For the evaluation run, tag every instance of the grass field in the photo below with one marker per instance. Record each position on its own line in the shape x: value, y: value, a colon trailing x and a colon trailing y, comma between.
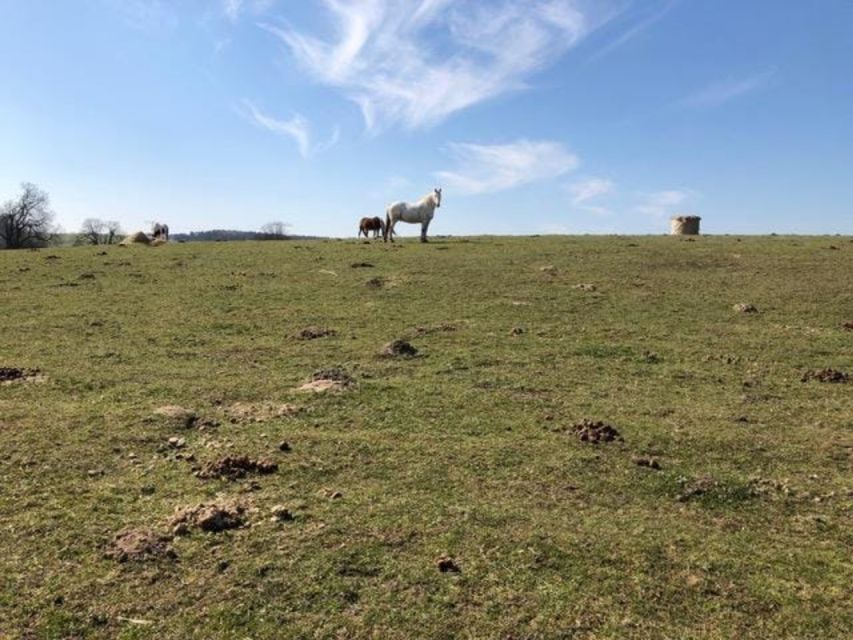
x: 464, y: 452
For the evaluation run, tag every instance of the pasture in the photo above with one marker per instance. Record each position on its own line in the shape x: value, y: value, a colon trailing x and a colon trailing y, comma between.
x: 445, y: 495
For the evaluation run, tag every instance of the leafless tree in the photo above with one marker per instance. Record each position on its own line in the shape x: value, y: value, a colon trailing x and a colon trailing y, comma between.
x: 113, y: 231
x: 26, y: 221
x: 274, y: 230
x: 96, y: 231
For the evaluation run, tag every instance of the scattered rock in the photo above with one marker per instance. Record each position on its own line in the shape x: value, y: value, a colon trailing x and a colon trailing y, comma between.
x: 15, y: 374
x: 516, y: 331
x: 177, y: 443
x: 650, y: 463
x: 399, y: 349
x: 446, y: 564
x: 585, y: 286
x: 595, y: 432
x: 281, y: 514
x: 236, y: 467
x: 312, y: 333
x: 133, y: 544
x: 361, y: 265
x: 207, y: 517
x: 745, y: 307
x: 177, y: 416
x: 247, y: 412
x: 826, y: 375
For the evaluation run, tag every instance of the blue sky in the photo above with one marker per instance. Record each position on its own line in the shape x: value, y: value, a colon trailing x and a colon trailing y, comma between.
x: 535, y: 116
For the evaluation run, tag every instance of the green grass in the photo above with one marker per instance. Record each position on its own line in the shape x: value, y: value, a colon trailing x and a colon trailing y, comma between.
x: 463, y: 451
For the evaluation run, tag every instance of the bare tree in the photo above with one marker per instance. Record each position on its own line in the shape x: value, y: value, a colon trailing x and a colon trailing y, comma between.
x: 273, y: 231
x: 26, y: 221
x: 96, y: 231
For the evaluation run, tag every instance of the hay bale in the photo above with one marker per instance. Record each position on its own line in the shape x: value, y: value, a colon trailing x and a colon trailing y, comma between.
x: 137, y: 237
x: 684, y: 225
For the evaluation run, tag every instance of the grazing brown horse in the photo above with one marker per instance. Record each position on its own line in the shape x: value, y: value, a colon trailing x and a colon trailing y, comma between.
x: 374, y: 224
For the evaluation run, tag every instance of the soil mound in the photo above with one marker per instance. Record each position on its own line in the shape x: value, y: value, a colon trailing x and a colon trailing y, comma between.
x: 745, y: 307
x: 207, y: 517
x: 178, y: 416
x: 236, y: 467
x: 247, y: 412
x: 328, y: 380
x: 826, y: 375
x: 312, y: 333
x: 14, y: 374
x: 133, y: 544
x: 596, y: 432
x: 398, y: 349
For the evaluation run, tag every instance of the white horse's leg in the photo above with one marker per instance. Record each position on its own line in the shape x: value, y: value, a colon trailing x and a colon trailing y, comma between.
x: 424, y: 227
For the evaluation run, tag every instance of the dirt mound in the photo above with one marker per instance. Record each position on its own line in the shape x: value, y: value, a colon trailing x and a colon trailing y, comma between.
x: 242, y: 412
x: 138, y: 237
x: 516, y: 331
x: 361, y: 265
x: 375, y: 283
x: 847, y: 326
x: 207, y: 517
x: 446, y: 564
x: 236, y: 467
x: 312, y: 333
x: 177, y: 416
x: 595, y: 432
x: 139, y: 544
x: 398, y: 349
x: 745, y: 307
x: 328, y: 380
x: 826, y: 375
x: 15, y: 374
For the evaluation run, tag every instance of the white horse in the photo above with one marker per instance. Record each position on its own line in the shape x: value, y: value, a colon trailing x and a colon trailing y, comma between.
x: 422, y: 211
x: 160, y: 231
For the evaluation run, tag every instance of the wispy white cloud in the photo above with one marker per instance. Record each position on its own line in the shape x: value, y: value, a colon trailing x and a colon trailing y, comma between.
x: 232, y: 8
x: 660, y: 204
x: 657, y: 14
x: 586, y: 192
x: 416, y: 62
x: 297, y: 128
x: 721, y: 92
x: 149, y: 16
x: 235, y: 9
x: 490, y: 168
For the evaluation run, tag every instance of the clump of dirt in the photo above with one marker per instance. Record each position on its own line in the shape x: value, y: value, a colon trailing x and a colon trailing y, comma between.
x: 595, y: 432
x: 236, y: 467
x: 207, y: 517
x: 516, y: 331
x: 399, y: 349
x: 585, y: 286
x: 281, y: 514
x: 745, y: 307
x: 15, y: 374
x: 177, y: 416
x: 650, y: 463
x: 847, y: 326
x: 446, y: 564
x: 826, y: 375
x: 248, y: 412
x: 328, y: 380
x: 361, y: 265
x: 132, y: 544
x: 312, y: 333
x: 375, y: 283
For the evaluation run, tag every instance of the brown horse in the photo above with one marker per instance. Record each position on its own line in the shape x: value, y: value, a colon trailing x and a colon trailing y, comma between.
x: 374, y: 224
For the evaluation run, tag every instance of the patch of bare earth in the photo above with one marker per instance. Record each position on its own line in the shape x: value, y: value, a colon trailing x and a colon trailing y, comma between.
x: 328, y: 380
x: 826, y: 375
x: 398, y: 349
x: 847, y: 326
x: 375, y: 283
x: 248, y: 412
x: 177, y: 416
x: 313, y: 333
x: 133, y: 544
x: 236, y: 467
x: 8, y: 375
x: 212, y: 518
